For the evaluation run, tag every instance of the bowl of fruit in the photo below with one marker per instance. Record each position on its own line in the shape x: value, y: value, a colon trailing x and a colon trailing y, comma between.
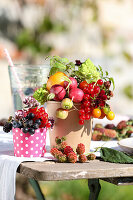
x: 75, y: 93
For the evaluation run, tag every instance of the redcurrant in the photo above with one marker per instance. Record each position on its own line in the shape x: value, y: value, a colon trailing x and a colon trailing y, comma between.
x: 81, y: 122
x: 100, y: 82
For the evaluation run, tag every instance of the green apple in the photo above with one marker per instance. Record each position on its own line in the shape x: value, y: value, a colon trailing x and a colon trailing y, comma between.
x: 61, y: 113
x: 67, y: 103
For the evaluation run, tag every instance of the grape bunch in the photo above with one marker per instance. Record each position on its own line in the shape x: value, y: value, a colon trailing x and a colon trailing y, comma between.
x: 94, y: 101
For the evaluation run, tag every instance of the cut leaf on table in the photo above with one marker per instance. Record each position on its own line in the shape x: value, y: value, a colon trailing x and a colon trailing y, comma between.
x: 111, y: 155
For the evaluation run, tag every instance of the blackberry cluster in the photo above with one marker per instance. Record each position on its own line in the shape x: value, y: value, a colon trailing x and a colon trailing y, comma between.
x: 28, y: 124
x: 7, y: 127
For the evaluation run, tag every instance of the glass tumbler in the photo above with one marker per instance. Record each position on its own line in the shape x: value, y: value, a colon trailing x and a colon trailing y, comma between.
x: 31, y: 77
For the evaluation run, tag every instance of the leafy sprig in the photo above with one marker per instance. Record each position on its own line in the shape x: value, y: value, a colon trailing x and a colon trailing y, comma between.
x: 106, y: 76
x: 42, y: 95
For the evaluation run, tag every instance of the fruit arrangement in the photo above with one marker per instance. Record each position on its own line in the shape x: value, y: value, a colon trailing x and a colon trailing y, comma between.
x: 122, y: 130
x: 29, y: 119
x: 64, y: 153
x: 78, y: 83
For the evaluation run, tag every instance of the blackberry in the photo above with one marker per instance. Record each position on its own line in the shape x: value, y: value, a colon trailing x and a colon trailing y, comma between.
x: 38, y: 121
x: 7, y: 127
x: 25, y: 130
x: 20, y: 124
x: 15, y: 124
x: 31, y: 131
x: 30, y: 116
x: 52, y: 121
x: 78, y: 62
x: 29, y: 123
x: 35, y: 126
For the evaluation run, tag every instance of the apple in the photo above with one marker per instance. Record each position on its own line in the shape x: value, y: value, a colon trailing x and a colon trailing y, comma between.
x: 61, y: 113
x: 67, y: 103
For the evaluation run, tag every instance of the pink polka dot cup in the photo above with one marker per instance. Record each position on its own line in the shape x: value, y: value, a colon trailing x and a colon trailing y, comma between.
x: 26, y: 145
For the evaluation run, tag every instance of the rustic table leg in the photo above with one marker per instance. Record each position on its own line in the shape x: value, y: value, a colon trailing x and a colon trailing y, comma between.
x: 37, y: 189
x: 95, y: 188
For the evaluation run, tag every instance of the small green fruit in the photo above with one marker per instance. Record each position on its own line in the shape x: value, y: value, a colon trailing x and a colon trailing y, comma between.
x: 67, y: 103
x: 61, y: 113
x: 106, y: 110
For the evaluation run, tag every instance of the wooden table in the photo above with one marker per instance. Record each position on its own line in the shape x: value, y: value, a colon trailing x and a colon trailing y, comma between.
x: 119, y: 174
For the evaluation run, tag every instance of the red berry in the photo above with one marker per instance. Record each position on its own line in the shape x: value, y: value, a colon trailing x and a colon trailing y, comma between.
x: 82, y: 158
x: 93, y: 83
x: 81, y: 122
x: 96, y: 89
x: 85, y: 90
x: 102, y: 92
x: 87, y: 103
x: 100, y: 82
x: 87, y: 116
x: 68, y: 150
x: 87, y: 110
x: 104, y: 97
x: 102, y: 104
x: 86, y: 97
x: 41, y: 109
x: 80, y: 149
x: 48, y: 125
x: 82, y: 117
x: 90, y: 91
x: 83, y: 84
x: 81, y: 111
x: 82, y: 106
x: 72, y: 157
x: 90, y: 86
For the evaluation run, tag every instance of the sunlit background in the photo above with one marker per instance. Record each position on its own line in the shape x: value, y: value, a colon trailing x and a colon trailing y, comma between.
x: 101, y: 30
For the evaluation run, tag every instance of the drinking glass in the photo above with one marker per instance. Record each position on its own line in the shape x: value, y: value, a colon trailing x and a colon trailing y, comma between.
x: 31, y: 77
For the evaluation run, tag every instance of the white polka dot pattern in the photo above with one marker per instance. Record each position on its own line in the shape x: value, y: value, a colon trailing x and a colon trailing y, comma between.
x: 26, y: 145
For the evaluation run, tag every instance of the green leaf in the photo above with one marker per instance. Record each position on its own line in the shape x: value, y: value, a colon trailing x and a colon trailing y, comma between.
x: 106, y: 73
x: 111, y: 155
x: 101, y: 70
x: 112, y: 80
x: 54, y: 70
x: 57, y: 64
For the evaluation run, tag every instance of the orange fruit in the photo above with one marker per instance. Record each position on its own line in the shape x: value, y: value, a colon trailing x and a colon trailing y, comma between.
x: 110, y: 115
x: 57, y: 78
x: 96, y: 113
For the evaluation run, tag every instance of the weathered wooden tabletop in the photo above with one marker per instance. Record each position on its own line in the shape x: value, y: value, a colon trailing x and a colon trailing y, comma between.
x: 51, y: 171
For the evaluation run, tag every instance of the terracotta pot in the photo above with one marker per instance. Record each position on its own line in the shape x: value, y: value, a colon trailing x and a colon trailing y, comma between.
x: 69, y: 127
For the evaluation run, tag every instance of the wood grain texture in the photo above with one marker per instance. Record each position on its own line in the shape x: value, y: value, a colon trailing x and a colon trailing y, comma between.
x: 51, y: 171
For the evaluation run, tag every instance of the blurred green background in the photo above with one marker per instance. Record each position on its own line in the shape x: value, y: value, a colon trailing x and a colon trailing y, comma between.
x: 101, y: 30
x: 73, y: 190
